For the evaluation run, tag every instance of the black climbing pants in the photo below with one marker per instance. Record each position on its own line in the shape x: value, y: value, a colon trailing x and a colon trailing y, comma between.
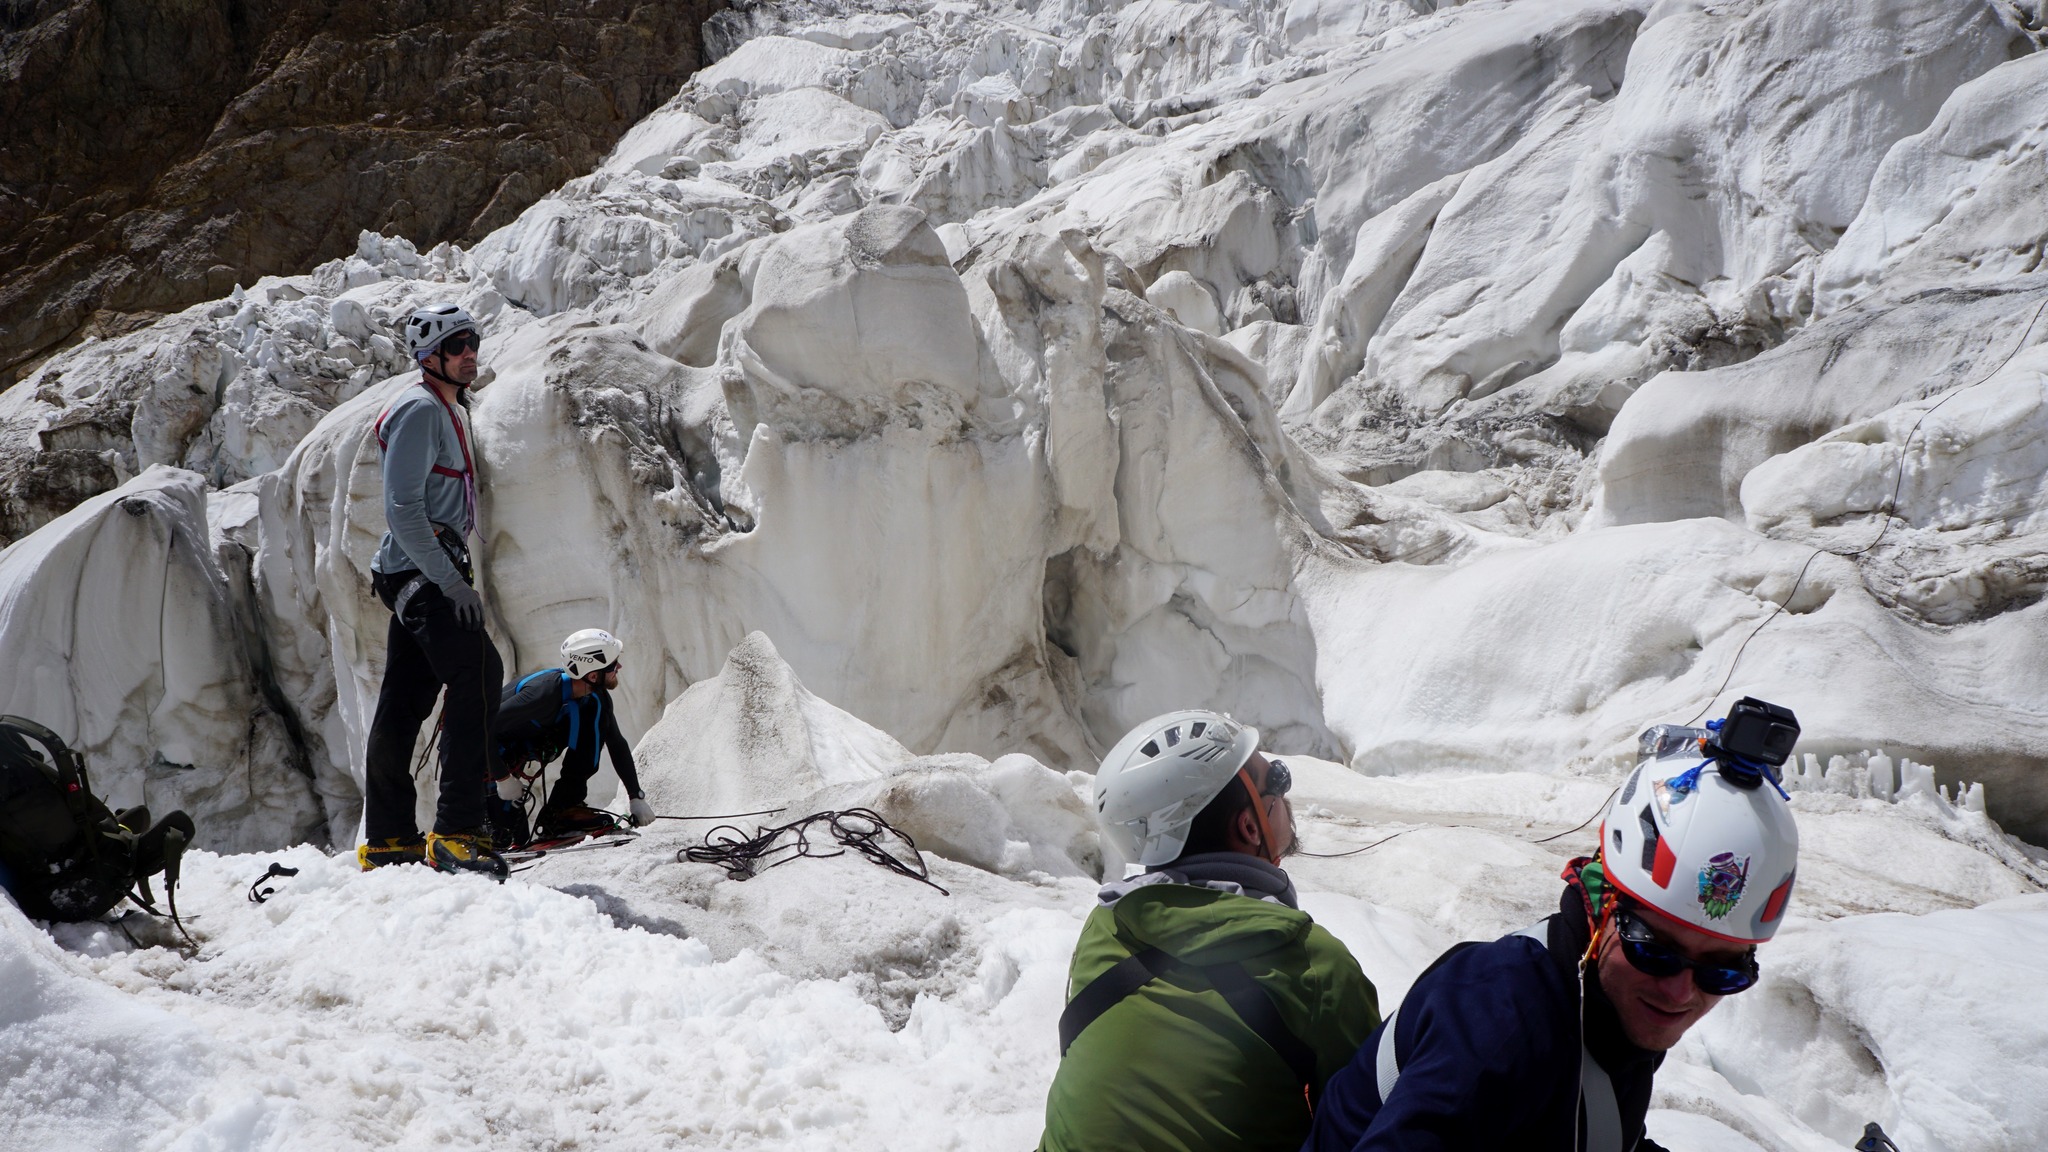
x: 427, y: 649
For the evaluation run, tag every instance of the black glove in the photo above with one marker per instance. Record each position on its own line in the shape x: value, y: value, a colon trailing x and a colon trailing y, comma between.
x: 468, y: 606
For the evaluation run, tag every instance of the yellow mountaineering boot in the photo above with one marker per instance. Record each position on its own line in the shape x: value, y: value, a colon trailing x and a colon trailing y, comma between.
x: 396, y: 850
x: 465, y: 852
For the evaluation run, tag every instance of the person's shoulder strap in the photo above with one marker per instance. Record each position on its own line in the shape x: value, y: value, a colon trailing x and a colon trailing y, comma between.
x: 1603, y: 1111
x: 1254, y: 1005
x: 1386, y: 1061
x: 530, y: 677
x: 1105, y: 991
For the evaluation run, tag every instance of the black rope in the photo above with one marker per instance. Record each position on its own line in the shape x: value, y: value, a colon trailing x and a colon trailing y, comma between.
x: 728, y: 815
x: 1890, y: 509
x: 859, y: 830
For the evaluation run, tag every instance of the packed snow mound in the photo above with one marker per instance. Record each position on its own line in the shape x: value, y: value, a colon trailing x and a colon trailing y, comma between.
x: 89, y: 1067
x: 1843, y: 1022
x: 754, y: 738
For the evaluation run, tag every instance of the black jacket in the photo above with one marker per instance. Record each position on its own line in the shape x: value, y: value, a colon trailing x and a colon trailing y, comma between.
x: 1488, y: 1045
x: 538, y: 719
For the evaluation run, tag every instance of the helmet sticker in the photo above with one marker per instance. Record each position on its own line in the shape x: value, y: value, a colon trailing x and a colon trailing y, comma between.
x: 1721, y: 883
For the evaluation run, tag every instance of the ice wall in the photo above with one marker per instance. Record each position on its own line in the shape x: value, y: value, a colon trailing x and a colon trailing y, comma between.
x: 129, y: 632
x: 1429, y: 385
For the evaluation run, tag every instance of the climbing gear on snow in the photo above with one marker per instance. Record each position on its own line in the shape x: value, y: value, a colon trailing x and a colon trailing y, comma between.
x: 590, y: 650
x: 1708, y: 849
x: 1874, y: 1140
x: 464, y: 852
x: 860, y: 830
x: 1252, y: 1004
x: 393, y: 850
x: 258, y: 893
x: 66, y: 855
x: 1162, y: 774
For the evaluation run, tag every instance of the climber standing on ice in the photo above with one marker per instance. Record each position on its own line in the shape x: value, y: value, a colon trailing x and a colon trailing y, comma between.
x: 1205, y: 1009
x: 566, y: 710
x: 1548, y: 1038
x: 436, y: 638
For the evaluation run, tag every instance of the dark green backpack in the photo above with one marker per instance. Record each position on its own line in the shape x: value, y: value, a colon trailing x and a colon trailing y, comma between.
x: 63, y: 854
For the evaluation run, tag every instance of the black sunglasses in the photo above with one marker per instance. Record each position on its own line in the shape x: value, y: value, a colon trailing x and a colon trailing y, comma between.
x: 1278, y: 779
x: 461, y: 342
x: 1652, y: 957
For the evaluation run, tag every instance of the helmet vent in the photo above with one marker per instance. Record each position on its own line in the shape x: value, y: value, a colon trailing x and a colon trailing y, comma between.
x: 1172, y: 737
x: 1196, y: 728
x: 1650, y: 838
x: 1151, y: 748
x: 1628, y: 793
x: 1617, y: 839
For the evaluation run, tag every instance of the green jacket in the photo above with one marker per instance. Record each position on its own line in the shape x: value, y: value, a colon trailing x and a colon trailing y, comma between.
x: 1171, y: 1068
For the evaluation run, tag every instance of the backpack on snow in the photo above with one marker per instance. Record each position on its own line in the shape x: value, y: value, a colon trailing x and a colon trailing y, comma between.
x: 63, y: 854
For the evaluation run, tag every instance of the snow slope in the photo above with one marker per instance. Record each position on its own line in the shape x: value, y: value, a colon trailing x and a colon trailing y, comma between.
x: 617, y: 998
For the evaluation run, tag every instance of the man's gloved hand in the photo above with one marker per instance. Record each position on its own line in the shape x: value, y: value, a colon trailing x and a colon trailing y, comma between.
x: 469, y: 607
x: 643, y: 812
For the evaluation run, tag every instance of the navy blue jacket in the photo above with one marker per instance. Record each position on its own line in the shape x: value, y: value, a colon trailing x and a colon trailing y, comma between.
x: 1488, y: 1044
x: 539, y: 719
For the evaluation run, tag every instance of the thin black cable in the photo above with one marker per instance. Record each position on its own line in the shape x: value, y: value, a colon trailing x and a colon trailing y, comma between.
x: 1890, y: 509
x: 726, y: 816
x: 860, y: 830
x: 1371, y: 846
x: 1597, y: 812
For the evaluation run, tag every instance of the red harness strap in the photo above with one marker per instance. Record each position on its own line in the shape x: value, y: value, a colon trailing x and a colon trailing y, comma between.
x: 468, y: 464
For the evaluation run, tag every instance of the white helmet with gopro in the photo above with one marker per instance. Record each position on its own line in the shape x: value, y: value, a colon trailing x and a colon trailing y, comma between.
x: 1700, y: 831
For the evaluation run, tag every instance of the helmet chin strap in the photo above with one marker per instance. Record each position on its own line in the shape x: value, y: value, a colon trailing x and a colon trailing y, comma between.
x: 426, y: 371
x: 1266, y: 849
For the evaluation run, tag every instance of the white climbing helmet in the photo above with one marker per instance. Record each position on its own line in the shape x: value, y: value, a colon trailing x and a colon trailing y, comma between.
x: 589, y: 651
x: 1161, y: 775
x: 427, y: 327
x: 1686, y: 837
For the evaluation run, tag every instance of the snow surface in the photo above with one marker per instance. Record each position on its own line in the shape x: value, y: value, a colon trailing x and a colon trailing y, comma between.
x: 1449, y: 390
x: 617, y: 998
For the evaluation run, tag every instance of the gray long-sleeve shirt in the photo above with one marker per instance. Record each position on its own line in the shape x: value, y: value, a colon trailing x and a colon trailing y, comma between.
x: 429, y: 481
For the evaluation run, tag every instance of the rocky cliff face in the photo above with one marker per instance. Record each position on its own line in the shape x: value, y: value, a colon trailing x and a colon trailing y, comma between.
x: 157, y: 153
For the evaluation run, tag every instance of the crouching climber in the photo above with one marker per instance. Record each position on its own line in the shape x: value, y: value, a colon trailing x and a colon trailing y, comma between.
x: 436, y: 638
x: 556, y: 712
x: 1548, y: 1037
x: 1205, y: 1010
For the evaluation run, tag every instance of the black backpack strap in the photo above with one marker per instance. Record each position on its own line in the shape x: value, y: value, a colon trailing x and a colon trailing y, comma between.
x: 1102, y: 993
x: 1254, y: 1005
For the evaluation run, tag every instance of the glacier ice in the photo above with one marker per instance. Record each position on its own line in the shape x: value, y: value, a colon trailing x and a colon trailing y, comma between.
x: 1449, y: 390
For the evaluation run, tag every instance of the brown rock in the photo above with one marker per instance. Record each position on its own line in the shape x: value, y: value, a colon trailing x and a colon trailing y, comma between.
x: 154, y: 153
